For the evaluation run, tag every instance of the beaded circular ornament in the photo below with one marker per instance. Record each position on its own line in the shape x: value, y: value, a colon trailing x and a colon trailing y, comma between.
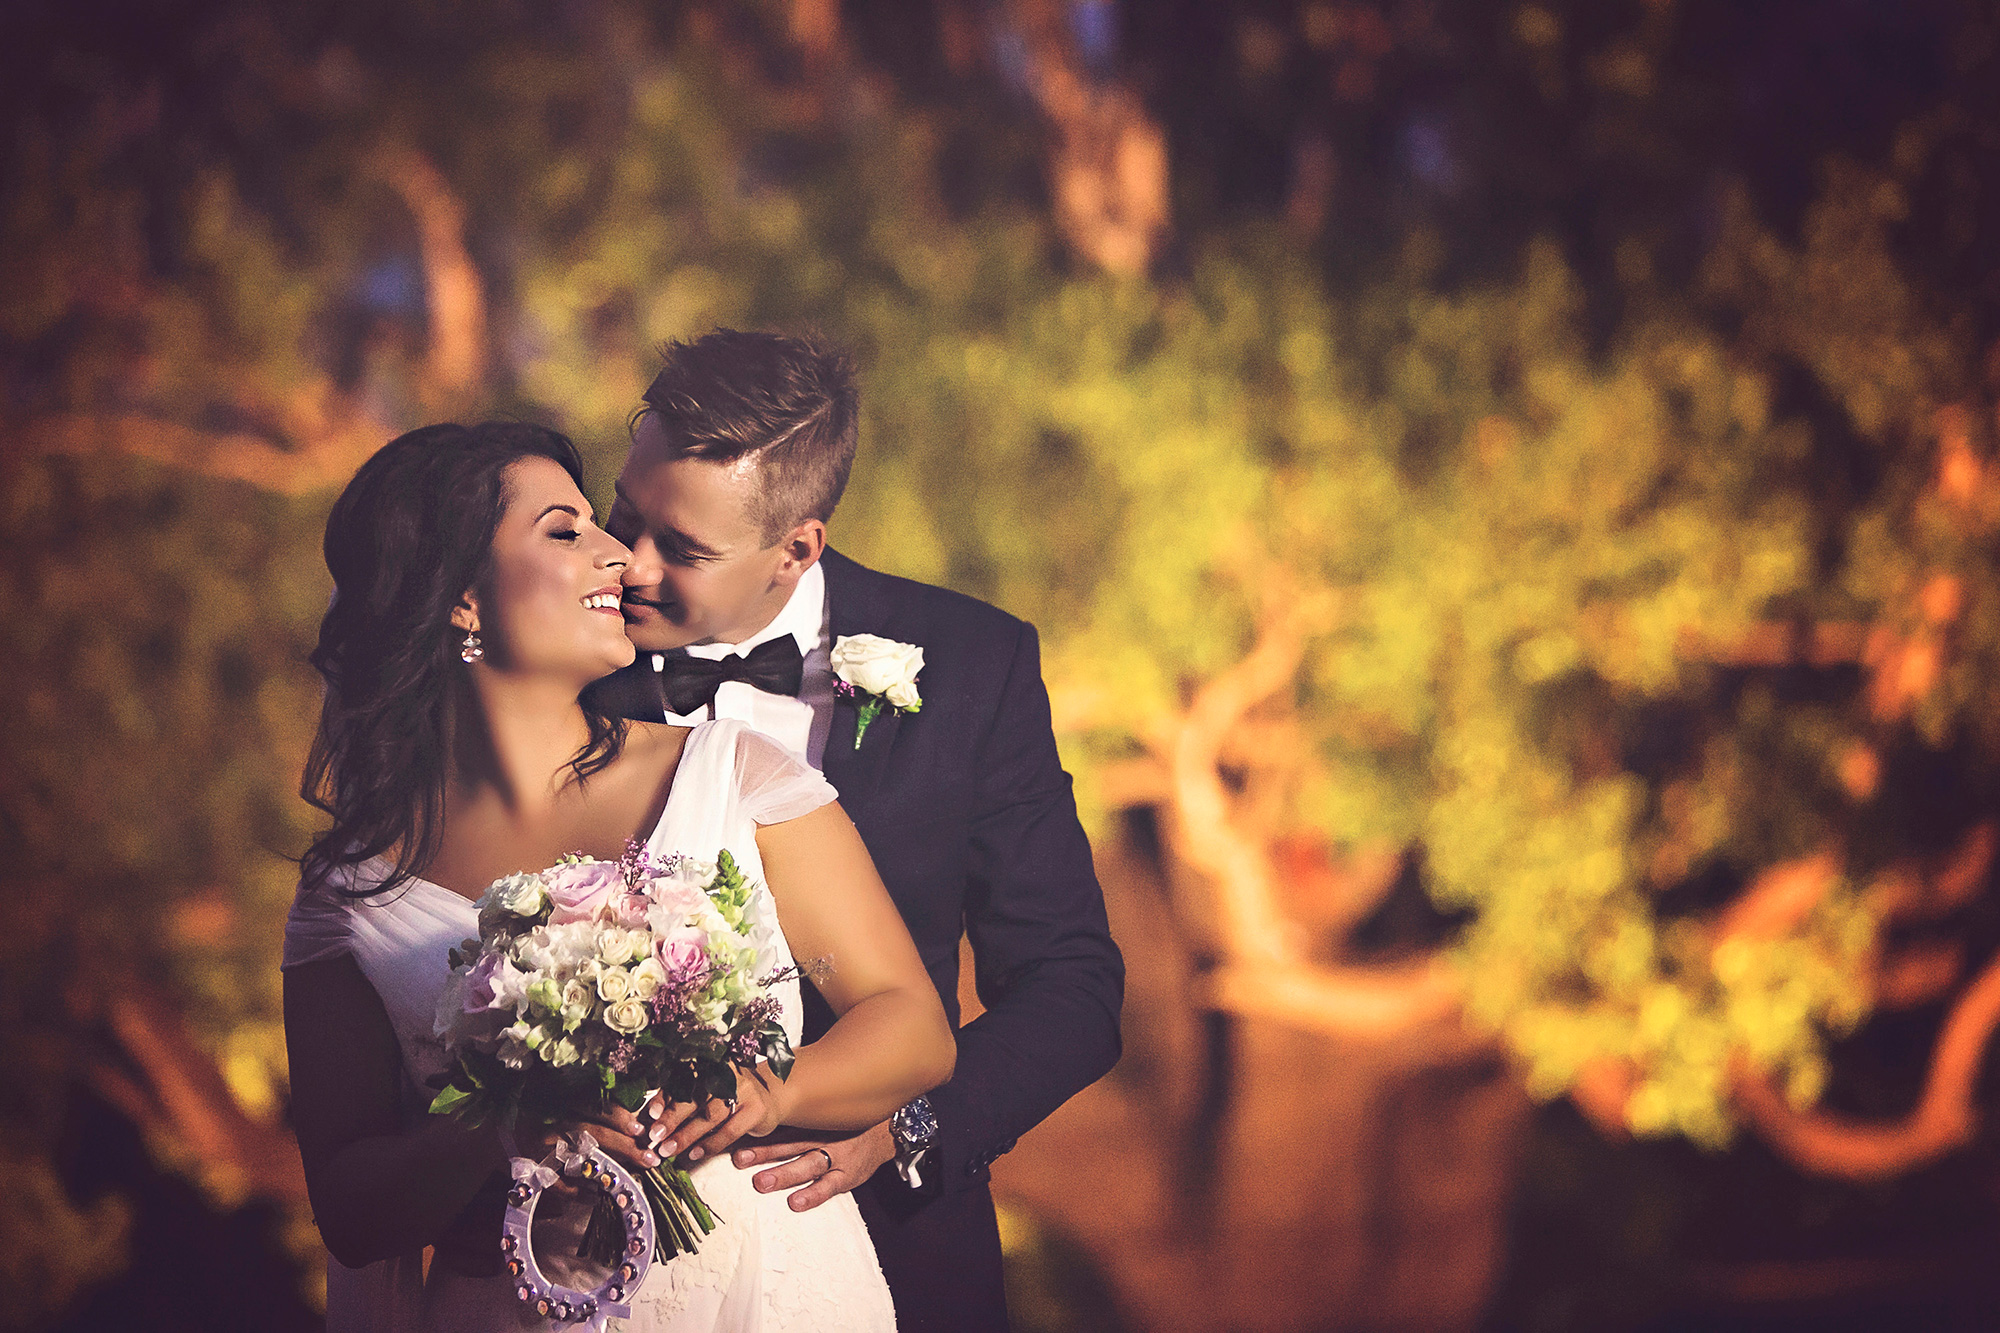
x: 593, y: 1168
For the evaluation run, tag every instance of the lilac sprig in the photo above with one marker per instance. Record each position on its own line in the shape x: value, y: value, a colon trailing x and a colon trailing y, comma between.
x: 598, y: 983
x: 638, y: 864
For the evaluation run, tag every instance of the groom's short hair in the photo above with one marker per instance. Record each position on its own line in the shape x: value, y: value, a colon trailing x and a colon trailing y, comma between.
x: 788, y: 402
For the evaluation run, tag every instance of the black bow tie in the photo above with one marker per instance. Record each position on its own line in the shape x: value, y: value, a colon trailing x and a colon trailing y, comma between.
x: 689, y: 683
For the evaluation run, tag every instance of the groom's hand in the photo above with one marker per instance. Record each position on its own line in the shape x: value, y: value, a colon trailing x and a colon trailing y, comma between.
x: 844, y: 1164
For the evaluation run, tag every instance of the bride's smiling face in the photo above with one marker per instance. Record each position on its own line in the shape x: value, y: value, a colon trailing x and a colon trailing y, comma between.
x: 548, y: 603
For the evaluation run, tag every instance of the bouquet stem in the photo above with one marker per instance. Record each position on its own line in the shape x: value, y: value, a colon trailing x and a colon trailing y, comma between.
x: 680, y: 1218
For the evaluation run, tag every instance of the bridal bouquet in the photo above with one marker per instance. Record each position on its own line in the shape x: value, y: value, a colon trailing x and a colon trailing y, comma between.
x: 594, y: 983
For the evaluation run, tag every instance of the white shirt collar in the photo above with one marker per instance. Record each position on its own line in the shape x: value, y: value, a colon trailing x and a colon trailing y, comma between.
x: 801, y: 618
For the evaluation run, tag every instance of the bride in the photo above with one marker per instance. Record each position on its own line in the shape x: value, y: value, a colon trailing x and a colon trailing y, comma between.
x: 474, y: 599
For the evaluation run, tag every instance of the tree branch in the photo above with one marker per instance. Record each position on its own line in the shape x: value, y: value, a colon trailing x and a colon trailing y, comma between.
x: 1108, y: 167
x: 1779, y: 898
x: 1918, y: 973
x: 1906, y: 893
x: 327, y: 456
x: 456, y: 358
x: 183, y: 1101
x: 1944, y: 1119
x: 1367, y: 1003
x: 1261, y: 973
x: 1206, y: 835
x: 1780, y: 644
x: 1602, y: 1090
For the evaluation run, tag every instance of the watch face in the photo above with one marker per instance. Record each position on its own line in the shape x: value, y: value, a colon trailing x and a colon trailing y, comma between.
x: 914, y: 1124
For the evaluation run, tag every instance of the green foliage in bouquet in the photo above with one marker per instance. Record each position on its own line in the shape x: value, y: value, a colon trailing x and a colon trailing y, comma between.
x: 596, y: 984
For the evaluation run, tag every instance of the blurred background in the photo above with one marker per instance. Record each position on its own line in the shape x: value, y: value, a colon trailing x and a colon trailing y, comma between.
x: 1509, y: 492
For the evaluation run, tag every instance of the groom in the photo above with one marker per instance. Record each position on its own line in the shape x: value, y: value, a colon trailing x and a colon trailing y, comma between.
x: 737, y: 606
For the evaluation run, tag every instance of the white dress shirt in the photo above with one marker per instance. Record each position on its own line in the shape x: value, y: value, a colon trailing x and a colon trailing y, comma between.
x: 800, y: 725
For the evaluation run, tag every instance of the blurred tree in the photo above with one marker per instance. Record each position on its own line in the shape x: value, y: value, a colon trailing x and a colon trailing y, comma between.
x: 180, y: 395
x: 1501, y: 489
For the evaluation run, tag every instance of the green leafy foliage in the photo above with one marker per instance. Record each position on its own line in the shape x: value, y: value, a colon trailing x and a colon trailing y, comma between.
x: 1532, y: 536
x: 1527, y: 520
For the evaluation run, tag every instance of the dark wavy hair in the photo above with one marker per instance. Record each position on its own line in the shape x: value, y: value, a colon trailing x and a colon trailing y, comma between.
x: 410, y: 534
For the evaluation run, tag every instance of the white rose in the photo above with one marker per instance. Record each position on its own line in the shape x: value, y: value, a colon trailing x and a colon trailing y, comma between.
x: 614, y: 984
x: 626, y: 1017
x: 523, y: 895
x: 616, y: 946
x: 876, y: 665
x: 647, y: 978
x: 577, y: 1004
x: 561, y: 1052
x: 511, y: 906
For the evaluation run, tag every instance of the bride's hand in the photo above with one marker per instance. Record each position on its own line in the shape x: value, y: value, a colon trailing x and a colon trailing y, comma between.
x: 617, y: 1131
x: 761, y: 1105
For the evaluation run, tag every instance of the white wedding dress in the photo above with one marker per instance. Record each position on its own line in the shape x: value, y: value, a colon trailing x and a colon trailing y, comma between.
x: 765, y: 1268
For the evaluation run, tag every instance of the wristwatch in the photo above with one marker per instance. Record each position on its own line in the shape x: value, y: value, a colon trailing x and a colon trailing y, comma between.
x: 912, y: 1127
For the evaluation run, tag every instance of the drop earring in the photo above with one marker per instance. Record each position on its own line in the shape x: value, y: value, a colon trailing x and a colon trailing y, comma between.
x: 472, y: 651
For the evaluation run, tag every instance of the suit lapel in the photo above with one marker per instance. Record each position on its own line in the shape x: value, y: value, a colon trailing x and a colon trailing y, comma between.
x: 856, y: 606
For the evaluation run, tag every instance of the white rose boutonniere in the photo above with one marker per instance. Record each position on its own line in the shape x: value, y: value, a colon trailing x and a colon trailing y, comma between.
x: 876, y: 671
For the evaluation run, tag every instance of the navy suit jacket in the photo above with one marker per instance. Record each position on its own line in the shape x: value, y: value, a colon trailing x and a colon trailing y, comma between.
x: 969, y: 815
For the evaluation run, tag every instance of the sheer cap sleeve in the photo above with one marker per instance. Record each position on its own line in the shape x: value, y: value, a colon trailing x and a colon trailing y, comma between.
x: 317, y: 928
x: 774, y: 784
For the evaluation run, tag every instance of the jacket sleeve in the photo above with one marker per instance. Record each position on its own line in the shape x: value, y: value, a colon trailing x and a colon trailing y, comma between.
x: 1046, y: 968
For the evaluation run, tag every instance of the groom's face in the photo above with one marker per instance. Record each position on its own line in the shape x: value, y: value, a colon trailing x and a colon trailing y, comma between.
x: 701, y: 571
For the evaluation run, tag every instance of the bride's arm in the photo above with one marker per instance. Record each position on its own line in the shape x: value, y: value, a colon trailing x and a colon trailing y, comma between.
x: 891, y: 1040
x: 377, y: 1190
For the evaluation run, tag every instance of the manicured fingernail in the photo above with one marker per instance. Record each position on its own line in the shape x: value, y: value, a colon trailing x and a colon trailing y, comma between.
x: 668, y: 1148
x: 649, y: 1159
x: 653, y: 1134
x: 694, y: 1154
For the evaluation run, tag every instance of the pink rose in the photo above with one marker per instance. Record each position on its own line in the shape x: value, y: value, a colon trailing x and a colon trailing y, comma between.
x: 684, y: 957
x: 672, y: 902
x: 677, y: 894
x: 579, y: 889
x: 630, y: 909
